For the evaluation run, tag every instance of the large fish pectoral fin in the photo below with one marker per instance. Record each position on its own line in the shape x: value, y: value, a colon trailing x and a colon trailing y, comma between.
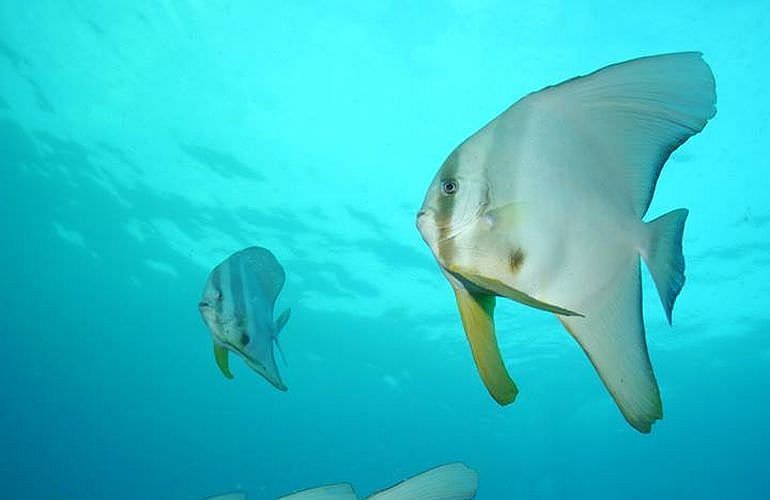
x: 221, y: 357
x: 612, y: 335
x: 476, y: 311
x: 503, y: 290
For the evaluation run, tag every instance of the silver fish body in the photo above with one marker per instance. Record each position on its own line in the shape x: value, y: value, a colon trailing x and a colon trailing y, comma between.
x: 544, y: 206
x: 237, y: 306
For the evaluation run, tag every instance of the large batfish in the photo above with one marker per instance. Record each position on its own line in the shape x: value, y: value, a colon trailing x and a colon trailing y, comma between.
x: 544, y: 206
x: 454, y: 481
x: 238, y: 305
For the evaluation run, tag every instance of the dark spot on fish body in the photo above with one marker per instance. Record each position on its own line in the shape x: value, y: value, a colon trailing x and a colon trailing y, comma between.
x: 517, y: 260
x: 245, y: 339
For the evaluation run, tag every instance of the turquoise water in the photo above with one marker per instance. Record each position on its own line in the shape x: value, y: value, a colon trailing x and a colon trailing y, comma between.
x: 143, y: 142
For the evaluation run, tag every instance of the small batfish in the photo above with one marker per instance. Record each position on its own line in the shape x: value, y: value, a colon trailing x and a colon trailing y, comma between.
x: 545, y: 205
x: 238, y: 305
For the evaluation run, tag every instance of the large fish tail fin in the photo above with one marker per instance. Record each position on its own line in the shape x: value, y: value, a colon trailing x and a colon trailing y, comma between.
x: 340, y: 491
x: 454, y: 481
x: 663, y: 255
x: 612, y: 335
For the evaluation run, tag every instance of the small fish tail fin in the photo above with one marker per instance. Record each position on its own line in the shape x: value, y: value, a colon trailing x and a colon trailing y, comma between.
x: 663, y: 255
x: 340, y: 491
x: 283, y: 318
x: 455, y: 481
x: 280, y: 351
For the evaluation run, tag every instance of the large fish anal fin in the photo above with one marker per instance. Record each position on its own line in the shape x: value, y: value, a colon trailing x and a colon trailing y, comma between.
x: 477, y: 313
x: 612, y: 335
x: 221, y: 357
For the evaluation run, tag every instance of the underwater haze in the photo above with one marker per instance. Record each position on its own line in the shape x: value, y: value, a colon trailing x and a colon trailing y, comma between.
x: 143, y: 142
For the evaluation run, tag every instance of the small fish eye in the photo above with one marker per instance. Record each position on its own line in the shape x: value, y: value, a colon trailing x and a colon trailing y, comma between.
x: 449, y: 186
x: 245, y: 339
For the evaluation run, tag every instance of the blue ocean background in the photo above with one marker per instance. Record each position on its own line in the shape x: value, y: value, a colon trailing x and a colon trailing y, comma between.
x: 142, y: 142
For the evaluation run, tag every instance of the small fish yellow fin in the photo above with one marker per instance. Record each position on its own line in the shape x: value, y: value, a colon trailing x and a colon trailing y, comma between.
x: 477, y: 313
x: 220, y: 355
x: 612, y: 335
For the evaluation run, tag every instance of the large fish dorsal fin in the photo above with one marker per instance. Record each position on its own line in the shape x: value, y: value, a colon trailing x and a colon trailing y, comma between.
x: 634, y: 115
x: 477, y: 314
x: 612, y: 335
x: 262, y: 264
x: 455, y: 481
x: 340, y: 491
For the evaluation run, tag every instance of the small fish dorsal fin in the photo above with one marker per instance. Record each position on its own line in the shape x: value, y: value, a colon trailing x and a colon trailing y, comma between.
x: 263, y: 265
x: 340, y: 491
x: 455, y: 481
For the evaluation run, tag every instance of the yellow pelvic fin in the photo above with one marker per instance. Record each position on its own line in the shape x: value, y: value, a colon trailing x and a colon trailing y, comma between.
x: 220, y: 355
x: 477, y: 313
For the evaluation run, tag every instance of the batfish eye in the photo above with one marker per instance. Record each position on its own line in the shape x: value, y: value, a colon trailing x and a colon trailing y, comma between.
x: 449, y: 186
